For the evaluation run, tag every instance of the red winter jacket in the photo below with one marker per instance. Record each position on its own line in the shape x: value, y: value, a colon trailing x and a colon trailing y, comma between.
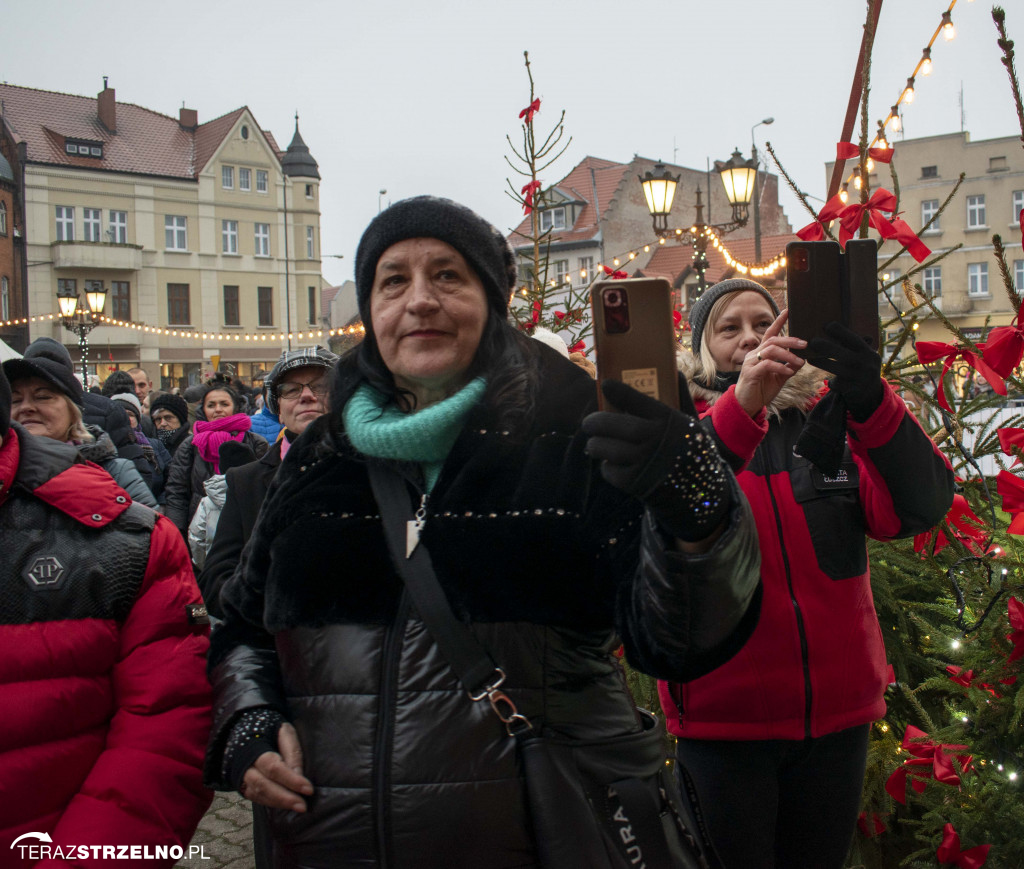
x: 816, y: 661
x: 106, y: 704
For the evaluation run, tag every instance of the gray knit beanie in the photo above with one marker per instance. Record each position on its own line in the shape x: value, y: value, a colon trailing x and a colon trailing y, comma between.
x: 483, y: 246
x: 702, y: 307
x: 48, y: 360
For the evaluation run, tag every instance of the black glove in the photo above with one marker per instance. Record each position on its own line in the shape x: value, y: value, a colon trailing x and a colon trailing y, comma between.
x: 857, y: 368
x: 663, y: 457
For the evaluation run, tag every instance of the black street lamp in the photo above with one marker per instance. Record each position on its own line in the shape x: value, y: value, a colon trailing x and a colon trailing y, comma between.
x: 81, y: 320
x: 659, y: 186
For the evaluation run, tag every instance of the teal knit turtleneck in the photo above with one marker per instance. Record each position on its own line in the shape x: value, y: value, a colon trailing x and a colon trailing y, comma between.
x: 425, y: 436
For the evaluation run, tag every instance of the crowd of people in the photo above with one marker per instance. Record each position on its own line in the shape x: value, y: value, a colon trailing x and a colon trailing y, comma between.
x: 721, y: 547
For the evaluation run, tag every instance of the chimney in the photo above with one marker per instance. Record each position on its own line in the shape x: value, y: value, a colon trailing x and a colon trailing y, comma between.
x: 107, y: 107
x: 188, y: 119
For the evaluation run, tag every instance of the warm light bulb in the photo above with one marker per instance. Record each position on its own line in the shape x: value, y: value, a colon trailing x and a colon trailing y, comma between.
x: 615, y: 261
x: 632, y: 255
x: 870, y: 165
x: 844, y: 194
x: 948, y: 30
x: 926, y: 62
x: 908, y: 94
x: 955, y: 644
x: 857, y: 183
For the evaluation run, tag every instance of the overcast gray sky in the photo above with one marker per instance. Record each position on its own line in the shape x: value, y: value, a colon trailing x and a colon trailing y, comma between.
x: 417, y: 97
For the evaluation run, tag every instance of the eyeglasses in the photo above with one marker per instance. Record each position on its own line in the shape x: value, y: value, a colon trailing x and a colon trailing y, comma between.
x: 293, y: 389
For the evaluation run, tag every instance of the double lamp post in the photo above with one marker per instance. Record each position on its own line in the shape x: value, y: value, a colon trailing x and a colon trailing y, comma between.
x: 82, y: 320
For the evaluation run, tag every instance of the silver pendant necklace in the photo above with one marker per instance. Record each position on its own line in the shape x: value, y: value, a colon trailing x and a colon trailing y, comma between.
x: 414, y: 527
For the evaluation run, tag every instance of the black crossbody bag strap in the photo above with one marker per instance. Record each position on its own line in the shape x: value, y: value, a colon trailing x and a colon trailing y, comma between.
x: 479, y: 675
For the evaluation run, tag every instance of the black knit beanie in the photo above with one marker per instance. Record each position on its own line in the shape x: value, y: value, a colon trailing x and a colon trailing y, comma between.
x: 174, y: 403
x: 702, y: 307
x: 482, y: 245
x: 48, y: 360
x: 5, y: 404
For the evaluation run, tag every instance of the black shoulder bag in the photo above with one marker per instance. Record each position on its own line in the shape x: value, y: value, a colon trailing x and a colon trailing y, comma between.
x: 596, y: 803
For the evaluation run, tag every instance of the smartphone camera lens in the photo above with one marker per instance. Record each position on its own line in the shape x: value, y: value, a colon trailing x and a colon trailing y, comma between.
x: 616, y: 310
x: 799, y: 259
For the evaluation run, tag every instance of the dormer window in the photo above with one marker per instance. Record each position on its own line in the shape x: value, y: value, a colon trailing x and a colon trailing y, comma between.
x: 83, y: 149
x: 553, y: 218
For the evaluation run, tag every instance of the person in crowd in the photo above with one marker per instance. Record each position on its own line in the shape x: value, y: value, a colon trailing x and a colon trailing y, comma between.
x: 102, y: 677
x: 156, y: 453
x: 296, y: 390
x: 203, y: 527
x: 47, y: 402
x: 265, y: 422
x: 169, y: 413
x: 143, y: 383
x: 334, y: 707
x: 197, y: 458
x: 193, y: 396
x: 775, y: 740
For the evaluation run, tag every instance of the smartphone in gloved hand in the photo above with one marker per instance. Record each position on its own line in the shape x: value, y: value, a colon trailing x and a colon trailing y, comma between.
x: 634, y: 337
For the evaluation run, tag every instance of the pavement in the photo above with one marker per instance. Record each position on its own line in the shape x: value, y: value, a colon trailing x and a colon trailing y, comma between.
x: 224, y: 835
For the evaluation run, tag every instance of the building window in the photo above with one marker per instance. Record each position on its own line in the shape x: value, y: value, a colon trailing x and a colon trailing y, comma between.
x: 309, y: 242
x: 553, y: 218
x: 3, y: 218
x: 118, y: 232
x: 174, y: 232
x: 1017, y: 206
x: 229, y: 236
x: 311, y: 297
x: 929, y: 171
x: 261, y: 180
x: 120, y: 300
x: 245, y: 179
x: 91, y: 224
x: 65, y: 223
x: 262, y: 239
x: 265, y: 303
x: 561, y: 267
x: 977, y: 279
x: 67, y: 286
x: 1018, y: 275
x: 227, y: 177
x: 586, y: 269
x: 178, y: 310
x: 231, y: 314
x: 976, y: 211
x: 309, y: 191
x: 5, y: 298
x: 929, y: 209
x: 997, y: 164
x: 932, y: 283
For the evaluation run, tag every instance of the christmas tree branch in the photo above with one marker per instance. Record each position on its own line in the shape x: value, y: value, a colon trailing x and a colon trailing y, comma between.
x: 1006, y: 46
x: 1004, y: 271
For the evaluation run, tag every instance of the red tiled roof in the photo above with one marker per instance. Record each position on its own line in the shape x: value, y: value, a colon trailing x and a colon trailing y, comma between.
x: 145, y: 143
x: 578, y: 184
x: 671, y: 259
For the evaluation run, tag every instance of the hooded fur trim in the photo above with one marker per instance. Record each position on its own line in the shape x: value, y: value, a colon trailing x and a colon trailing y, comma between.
x: 801, y: 391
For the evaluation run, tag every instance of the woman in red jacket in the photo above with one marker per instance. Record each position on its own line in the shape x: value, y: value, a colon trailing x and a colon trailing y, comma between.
x: 775, y: 740
x: 103, y: 640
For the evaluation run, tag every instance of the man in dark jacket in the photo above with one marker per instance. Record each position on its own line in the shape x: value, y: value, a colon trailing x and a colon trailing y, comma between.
x: 169, y: 414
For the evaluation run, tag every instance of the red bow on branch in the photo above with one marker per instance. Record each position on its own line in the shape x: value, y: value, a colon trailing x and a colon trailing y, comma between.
x: 1010, y: 438
x: 578, y: 347
x: 871, y: 827
x: 528, y: 192
x: 677, y: 318
x: 966, y: 678
x: 949, y: 851
x: 1011, y: 489
x: 829, y: 212
x: 534, y: 319
x: 614, y: 275
x: 965, y: 526
x: 1005, y: 346
x: 930, y: 760
x: 849, y: 151
x: 1016, y: 613
x: 530, y: 110
x: 931, y: 351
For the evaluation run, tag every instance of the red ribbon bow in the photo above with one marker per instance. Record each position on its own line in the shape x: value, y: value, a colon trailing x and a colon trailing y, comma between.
x: 1016, y: 614
x: 829, y: 211
x: 677, y: 318
x: 1010, y: 438
x: 1005, y: 346
x: 528, y: 192
x: 615, y: 275
x: 949, y: 851
x: 930, y: 760
x: 871, y: 827
x: 1011, y: 489
x: 578, y: 347
x: 530, y: 110
x: 966, y: 678
x: 967, y: 528
x: 849, y: 151
x: 931, y: 351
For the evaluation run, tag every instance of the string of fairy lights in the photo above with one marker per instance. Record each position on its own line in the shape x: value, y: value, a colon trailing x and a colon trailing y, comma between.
x: 893, y: 120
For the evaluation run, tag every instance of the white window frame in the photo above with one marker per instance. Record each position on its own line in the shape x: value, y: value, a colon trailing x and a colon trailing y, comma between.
x: 586, y: 264
x: 5, y: 298
x: 229, y: 236
x: 1017, y: 204
x: 552, y: 218
x: 1018, y: 275
x: 310, y: 192
x: 92, y: 218
x: 310, y: 243
x: 561, y: 267
x: 65, y: 222
x: 977, y: 280
x: 175, y: 232
x: 976, y: 212
x: 931, y: 281
x: 3, y: 218
x: 261, y: 239
x: 929, y: 207
x: 118, y: 227
x: 262, y: 180
x: 227, y: 177
x: 244, y: 179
